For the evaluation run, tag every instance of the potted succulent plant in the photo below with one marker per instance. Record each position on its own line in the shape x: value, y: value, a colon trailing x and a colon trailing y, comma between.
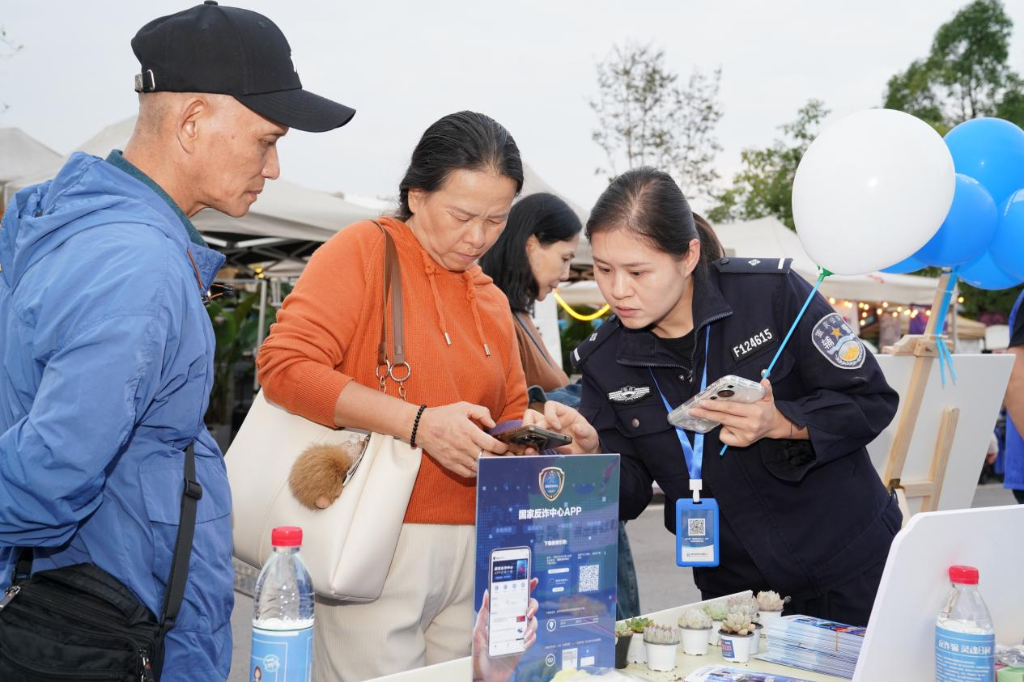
x: 749, y: 607
x: 769, y: 606
x: 623, y: 638
x: 696, y: 629
x: 737, y: 633
x: 661, y: 642
x: 717, y: 611
x: 637, y: 651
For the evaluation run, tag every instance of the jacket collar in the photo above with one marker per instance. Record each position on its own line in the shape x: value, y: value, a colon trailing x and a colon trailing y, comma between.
x: 642, y: 348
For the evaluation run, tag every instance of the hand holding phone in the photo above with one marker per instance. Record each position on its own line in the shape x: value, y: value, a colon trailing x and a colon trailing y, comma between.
x: 729, y: 388
x: 531, y: 436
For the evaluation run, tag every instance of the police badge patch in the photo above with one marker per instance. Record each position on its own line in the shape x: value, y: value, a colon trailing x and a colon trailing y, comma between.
x: 627, y: 395
x: 834, y: 339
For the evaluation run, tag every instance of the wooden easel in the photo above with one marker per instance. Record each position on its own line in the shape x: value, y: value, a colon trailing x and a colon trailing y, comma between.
x: 924, y: 347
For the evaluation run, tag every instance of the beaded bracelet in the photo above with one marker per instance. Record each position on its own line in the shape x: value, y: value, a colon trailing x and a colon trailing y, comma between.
x: 416, y: 425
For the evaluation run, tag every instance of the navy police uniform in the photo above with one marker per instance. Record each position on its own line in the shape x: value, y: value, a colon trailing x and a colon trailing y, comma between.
x: 809, y: 519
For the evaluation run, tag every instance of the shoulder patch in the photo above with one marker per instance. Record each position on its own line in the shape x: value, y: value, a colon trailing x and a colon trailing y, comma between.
x: 764, y: 266
x: 594, y: 341
x: 834, y: 339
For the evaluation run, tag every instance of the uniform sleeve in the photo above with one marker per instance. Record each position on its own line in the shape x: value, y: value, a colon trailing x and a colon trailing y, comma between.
x: 53, y: 460
x: 847, y: 401
x: 316, y: 324
x: 635, y: 480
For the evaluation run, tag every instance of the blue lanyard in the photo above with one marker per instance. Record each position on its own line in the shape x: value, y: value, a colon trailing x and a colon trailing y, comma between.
x: 694, y: 454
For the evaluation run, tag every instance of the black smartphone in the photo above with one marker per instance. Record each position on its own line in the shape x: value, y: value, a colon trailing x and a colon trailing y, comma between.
x: 534, y: 437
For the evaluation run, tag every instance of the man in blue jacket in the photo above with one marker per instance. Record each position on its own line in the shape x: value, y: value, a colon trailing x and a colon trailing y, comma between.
x: 107, y: 348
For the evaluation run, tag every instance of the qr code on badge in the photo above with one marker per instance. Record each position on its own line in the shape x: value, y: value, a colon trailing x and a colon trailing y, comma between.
x: 590, y: 576
x: 695, y: 528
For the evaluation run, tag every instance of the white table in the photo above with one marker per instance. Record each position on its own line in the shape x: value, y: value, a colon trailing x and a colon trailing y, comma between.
x: 461, y: 670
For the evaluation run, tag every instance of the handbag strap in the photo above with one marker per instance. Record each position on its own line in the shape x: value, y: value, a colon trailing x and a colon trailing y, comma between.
x: 395, y: 359
x: 190, y: 496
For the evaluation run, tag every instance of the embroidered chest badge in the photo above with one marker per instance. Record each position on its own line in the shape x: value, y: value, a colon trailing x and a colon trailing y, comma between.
x: 834, y: 339
x: 627, y: 395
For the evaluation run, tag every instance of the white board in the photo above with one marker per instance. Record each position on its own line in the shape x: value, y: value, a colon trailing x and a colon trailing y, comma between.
x: 900, y: 641
x: 978, y: 392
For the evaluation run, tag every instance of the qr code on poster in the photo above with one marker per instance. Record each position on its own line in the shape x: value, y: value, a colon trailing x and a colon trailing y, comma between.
x: 695, y: 528
x: 590, y: 577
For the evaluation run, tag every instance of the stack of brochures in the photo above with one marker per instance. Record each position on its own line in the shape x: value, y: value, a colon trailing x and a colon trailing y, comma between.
x: 724, y: 673
x: 807, y: 643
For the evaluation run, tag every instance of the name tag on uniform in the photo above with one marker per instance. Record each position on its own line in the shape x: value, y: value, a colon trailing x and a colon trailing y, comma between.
x: 697, y: 533
x: 755, y: 342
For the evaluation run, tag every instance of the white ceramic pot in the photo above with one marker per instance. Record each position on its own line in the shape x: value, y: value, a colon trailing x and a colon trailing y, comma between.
x: 755, y: 642
x: 736, y: 648
x: 661, y: 657
x: 637, y: 650
x: 765, y: 617
x: 716, y: 625
x: 696, y: 642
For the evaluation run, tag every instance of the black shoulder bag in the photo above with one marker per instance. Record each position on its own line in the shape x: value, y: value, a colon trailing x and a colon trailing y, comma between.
x: 81, y: 623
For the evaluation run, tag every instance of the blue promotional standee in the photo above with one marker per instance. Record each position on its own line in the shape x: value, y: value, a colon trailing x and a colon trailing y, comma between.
x: 553, y: 521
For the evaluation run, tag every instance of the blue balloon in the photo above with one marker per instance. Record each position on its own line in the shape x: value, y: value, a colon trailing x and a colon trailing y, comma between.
x: 991, y: 151
x: 984, y: 274
x: 906, y: 265
x: 1007, y: 247
x: 968, y: 229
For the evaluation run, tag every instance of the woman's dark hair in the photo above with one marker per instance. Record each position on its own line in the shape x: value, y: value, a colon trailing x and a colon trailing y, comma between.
x: 463, y: 141
x: 649, y: 203
x: 544, y: 216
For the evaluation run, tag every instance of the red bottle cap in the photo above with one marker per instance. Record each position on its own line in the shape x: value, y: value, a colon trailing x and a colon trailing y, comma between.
x: 963, y: 575
x: 286, y: 536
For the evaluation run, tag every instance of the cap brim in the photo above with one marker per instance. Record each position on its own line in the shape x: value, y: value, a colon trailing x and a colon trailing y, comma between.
x: 299, y: 109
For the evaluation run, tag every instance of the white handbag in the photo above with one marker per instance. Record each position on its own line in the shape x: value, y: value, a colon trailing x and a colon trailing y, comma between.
x: 348, y: 547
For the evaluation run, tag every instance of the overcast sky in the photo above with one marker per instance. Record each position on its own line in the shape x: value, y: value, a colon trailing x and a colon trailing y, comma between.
x: 530, y: 65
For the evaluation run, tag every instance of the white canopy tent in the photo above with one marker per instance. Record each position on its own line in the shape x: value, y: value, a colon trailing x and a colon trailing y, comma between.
x: 21, y: 155
x: 769, y: 238
x: 282, y: 228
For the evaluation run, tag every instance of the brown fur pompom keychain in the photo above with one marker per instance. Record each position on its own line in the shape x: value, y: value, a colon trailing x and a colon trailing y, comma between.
x: 318, y: 475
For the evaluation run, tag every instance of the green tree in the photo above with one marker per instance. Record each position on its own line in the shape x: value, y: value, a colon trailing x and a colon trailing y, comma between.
x: 646, y: 118
x: 966, y: 73
x: 764, y: 186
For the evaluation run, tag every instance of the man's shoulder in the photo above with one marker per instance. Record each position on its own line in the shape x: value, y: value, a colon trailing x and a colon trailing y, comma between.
x: 597, y: 342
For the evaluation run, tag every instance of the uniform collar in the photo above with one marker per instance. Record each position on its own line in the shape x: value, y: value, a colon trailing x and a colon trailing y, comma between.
x: 642, y: 347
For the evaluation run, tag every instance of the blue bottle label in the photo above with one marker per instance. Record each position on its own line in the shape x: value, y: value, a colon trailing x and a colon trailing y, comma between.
x: 960, y: 657
x: 281, y: 655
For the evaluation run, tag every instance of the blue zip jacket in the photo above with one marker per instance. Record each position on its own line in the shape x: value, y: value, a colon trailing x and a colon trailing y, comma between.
x: 107, y: 368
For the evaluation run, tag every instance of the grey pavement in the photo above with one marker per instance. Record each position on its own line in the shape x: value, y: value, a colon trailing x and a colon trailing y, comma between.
x: 662, y: 584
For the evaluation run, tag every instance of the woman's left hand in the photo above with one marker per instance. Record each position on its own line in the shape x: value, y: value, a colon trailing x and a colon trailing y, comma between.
x: 744, y: 424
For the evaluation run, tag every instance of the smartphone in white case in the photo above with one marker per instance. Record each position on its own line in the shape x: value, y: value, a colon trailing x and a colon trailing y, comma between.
x: 730, y: 387
x: 509, y: 597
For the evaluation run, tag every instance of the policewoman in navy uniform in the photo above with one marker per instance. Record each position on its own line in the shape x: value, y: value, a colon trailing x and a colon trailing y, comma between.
x: 802, y: 510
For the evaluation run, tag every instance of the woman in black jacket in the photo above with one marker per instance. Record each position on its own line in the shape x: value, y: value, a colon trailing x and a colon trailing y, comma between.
x: 802, y: 510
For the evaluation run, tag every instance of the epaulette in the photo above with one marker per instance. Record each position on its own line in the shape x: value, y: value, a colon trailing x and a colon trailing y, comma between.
x: 594, y: 341
x: 735, y: 264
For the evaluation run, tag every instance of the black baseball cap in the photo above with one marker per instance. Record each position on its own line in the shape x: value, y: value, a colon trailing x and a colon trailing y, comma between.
x: 231, y: 51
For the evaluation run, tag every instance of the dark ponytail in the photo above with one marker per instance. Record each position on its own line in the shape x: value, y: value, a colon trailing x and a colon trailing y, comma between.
x: 462, y: 141
x: 649, y: 203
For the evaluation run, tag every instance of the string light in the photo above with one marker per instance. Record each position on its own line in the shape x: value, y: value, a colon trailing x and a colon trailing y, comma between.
x: 885, y: 304
x: 832, y: 300
x: 878, y: 311
x: 960, y: 300
x: 582, y: 318
x: 895, y: 314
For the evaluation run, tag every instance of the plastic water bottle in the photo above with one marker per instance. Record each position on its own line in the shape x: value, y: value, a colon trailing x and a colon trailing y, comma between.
x: 282, y: 622
x: 964, y: 638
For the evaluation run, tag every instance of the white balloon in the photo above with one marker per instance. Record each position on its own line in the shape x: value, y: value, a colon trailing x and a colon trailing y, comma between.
x: 871, y: 190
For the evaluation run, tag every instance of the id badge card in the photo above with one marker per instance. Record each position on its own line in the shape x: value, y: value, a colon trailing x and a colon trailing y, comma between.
x: 697, y: 533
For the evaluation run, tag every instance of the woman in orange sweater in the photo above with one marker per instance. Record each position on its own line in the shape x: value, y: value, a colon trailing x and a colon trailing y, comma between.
x: 320, y: 361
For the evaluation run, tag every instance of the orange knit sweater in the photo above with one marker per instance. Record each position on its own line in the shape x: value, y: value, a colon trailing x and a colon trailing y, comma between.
x: 327, y: 334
